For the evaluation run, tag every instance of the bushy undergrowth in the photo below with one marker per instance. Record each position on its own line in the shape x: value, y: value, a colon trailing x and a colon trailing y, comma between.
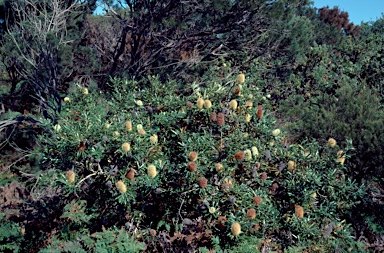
x: 164, y: 168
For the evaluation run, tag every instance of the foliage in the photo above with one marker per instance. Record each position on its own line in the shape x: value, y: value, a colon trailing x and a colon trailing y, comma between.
x: 176, y: 202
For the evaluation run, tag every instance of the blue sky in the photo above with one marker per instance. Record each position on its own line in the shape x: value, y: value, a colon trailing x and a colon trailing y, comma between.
x: 358, y: 10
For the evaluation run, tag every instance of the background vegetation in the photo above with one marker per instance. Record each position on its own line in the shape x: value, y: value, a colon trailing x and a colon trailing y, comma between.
x: 183, y: 126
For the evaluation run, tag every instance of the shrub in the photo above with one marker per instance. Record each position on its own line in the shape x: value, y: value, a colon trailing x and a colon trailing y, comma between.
x: 189, y: 207
x: 353, y: 112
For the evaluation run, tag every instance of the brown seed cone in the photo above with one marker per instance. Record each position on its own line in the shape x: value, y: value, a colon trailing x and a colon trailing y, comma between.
x: 263, y: 176
x: 130, y: 174
x: 299, y: 211
x: 220, y: 119
x: 239, y: 156
x: 275, y: 186
x: 70, y: 175
x: 257, y: 200
x: 251, y: 214
x: 128, y: 126
x: 259, y: 111
x: 152, y: 232
x: 192, y: 156
x: 192, y: 166
x: 221, y: 222
x: 237, y: 90
x: 213, y: 117
x: 203, y: 182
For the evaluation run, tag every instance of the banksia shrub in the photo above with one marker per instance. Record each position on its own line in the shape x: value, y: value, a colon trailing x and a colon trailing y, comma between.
x: 240, y: 78
x: 200, y: 103
x: 128, y: 126
x: 331, y: 142
x: 207, y: 104
x: 299, y: 211
x: 257, y: 200
x: 236, y: 229
x: 70, y: 175
x: 121, y: 187
x: 251, y: 214
x: 220, y: 119
x: 125, y: 147
x: 233, y: 104
x: 203, y: 182
x: 192, y: 156
x: 151, y: 171
x: 192, y: 166
x: 239, y: 156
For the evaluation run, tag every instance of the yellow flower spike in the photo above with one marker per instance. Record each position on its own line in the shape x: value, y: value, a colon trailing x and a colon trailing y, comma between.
x: 247, y: 118
x: 107, y: 126
x: 207, y: 104
x: 200, y: 103
x: 276, y: 132
x: 126, y: 147
x: 240, y: 78
x: 332, y: 142
x: 236, y: 229
x: 153, y: 139
x: 340, y: 157
x: 84, y: 91
x: 248, y: 155
x: 249, y: 104
x: 116, y: 134
x: 67, y: 99
x: 219, y: 167
x: 233, y: 105
x: 70, y: 175
x: 291, y: 166
x: 121, y: 187
x: 139, y: 103
x: 255, y: 151
x: 57, y: 128
x: 139, y: 126
x: 128, y: 125
x: 151, y: 171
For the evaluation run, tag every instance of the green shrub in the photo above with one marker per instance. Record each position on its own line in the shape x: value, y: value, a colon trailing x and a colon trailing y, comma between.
x: 353, y: 112
x: 155, y: 191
